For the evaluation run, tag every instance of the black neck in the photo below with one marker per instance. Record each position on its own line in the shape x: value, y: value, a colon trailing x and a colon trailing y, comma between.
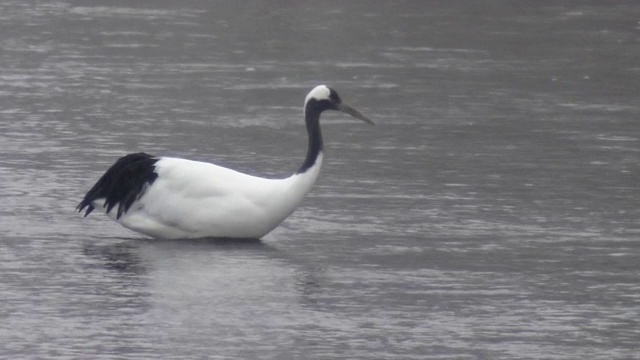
x: 312, y: 119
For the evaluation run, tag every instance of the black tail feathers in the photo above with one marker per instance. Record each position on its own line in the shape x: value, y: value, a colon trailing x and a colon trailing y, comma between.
x: 122, y: 184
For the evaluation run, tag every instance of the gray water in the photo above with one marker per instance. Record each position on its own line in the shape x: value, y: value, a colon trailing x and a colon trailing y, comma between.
x: 492, y: 214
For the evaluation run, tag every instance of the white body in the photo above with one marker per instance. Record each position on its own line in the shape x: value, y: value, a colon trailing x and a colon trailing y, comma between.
x: 192, y: 199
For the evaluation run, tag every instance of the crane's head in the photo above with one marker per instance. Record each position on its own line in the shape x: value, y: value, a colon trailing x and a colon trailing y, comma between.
x: 323, y: 98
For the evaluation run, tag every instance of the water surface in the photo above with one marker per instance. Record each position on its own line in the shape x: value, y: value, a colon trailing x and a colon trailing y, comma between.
x: 492, y: 213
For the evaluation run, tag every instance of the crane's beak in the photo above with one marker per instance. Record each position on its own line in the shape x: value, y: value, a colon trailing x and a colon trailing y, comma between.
x: 345, y: 108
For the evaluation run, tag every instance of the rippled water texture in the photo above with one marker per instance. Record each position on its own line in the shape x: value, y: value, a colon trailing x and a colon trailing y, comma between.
x: 492, y: 213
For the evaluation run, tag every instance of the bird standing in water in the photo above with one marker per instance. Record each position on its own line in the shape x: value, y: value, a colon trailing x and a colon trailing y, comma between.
x: 172, y: 198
